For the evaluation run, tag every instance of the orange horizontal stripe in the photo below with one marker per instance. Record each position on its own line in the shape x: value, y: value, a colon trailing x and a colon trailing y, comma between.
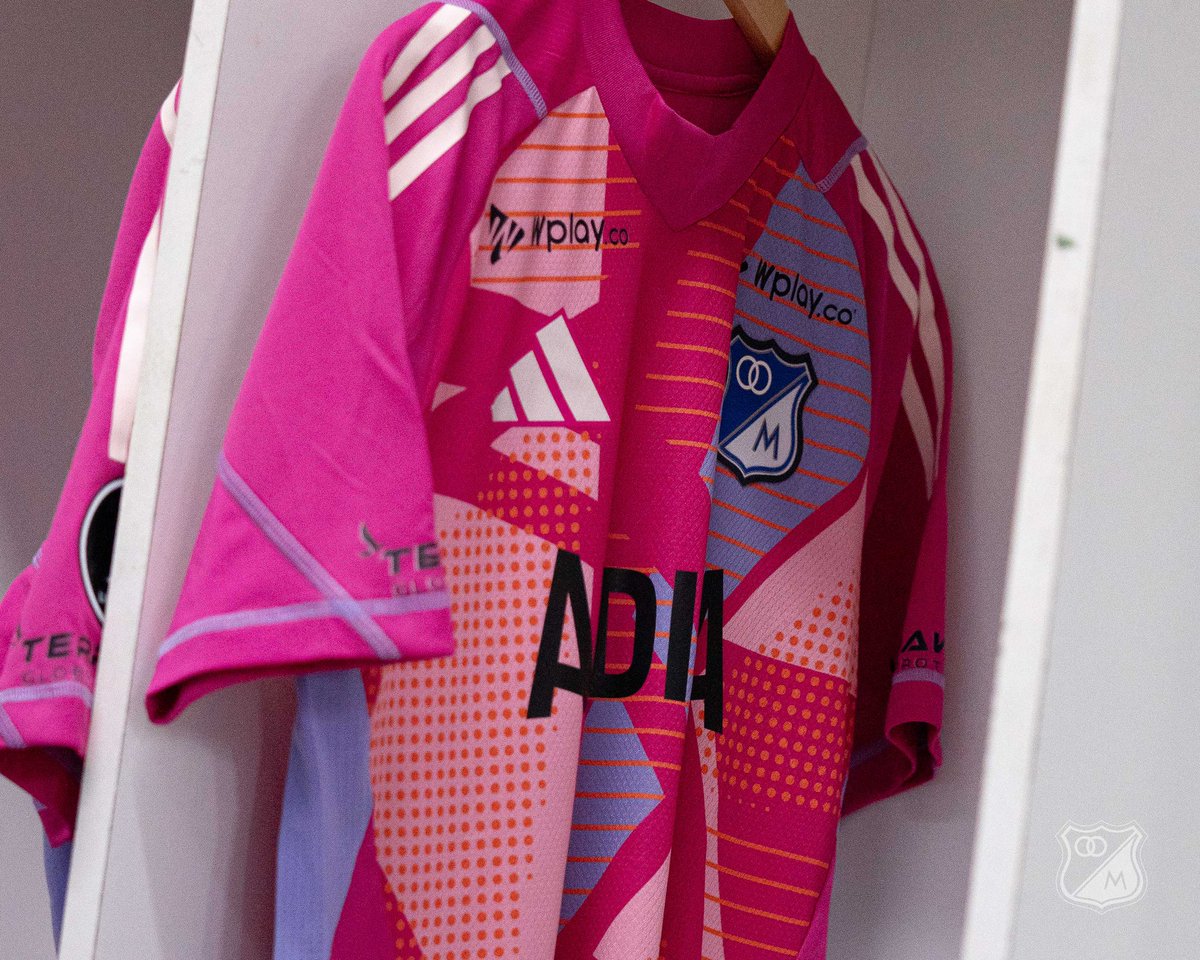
x: 525, y: 247
x: 712, y: 256
x: 643, y: 698
x: 754, y: 910
x: 622, y: 827
x: 790, y: 174
x: 832, y: 449
x: 729, y: 573
x: 808, y: 343
x: 693, y: 346
x: 737, y: 543
x: 578, y: 213
x: 618, y: 536
x: 763, y: 848
x: 739, y: 205
x: 678, y: 378
x: 699, y: 284
x: 850, y: 390
x: 577, y: 891
x: 589, y: 859
x: 722, y: 229
x: 804, y: 246
x: 833, y: 416
x: 687, y: 315
x: 751, y: 516
x: 690, y: 443
x: 750, y: 943
x: 662, y: 764
x: 567, y: 115
x: 788, y: 141
x: 765, y: 488
x: 565, y: 180
x: 616, y: 795
x: 531, y: 279
x: 649, y: 408
x: 570, y: 147
x: 659, y: 731
x: 804, y: 892
x: 815, y: 286
x: 776, y: 201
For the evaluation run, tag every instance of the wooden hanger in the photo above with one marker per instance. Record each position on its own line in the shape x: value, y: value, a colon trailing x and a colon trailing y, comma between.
x: 762, y: 22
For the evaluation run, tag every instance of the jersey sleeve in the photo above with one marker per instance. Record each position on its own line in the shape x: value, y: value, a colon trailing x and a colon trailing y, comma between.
x: 318, y: 548
x: 51, y: 616
x: 902, y: 633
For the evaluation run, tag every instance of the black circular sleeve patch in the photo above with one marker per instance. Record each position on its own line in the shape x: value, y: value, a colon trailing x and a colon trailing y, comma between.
x: 96, y: 544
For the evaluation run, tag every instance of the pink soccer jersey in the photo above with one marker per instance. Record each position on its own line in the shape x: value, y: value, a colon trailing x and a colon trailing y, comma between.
x: 50, y: 618
x: 590, y: 471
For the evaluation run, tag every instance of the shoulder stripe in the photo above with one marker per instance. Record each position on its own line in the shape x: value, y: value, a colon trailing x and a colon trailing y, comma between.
x: 506, y: 50
x: 432, y: 32
x: 442, y: 138
x: 927, y: 331
x: 440, y: 82
x: 920, y: 420
x: 825, y: 184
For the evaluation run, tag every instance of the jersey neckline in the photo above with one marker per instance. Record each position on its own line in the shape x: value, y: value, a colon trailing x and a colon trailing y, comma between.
x: 685, y: 171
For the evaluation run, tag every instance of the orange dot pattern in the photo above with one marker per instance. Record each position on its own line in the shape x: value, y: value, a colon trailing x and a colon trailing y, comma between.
x: 787, y: 736
x: 464, y: 794
x: 569, y: 457
x: 823, y: 637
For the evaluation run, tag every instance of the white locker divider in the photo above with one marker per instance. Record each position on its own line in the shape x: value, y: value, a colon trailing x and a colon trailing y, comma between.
x: 1042, y: 488
x: 115, y: 693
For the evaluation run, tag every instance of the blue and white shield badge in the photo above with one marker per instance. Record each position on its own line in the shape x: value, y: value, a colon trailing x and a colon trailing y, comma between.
x: 761, y: 435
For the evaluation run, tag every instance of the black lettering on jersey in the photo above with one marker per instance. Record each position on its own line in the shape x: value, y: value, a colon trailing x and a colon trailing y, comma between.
x: 96, y: 538
x: 591, y: 678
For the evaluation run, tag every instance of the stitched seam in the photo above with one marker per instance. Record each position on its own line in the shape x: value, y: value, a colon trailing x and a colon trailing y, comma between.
x: 47, y: 691
x: 506, y: 50
x: 287, y: 544
x: 919, y: 674
x: 10, y: 736
x: 296, y: 612
x: 825, y: 184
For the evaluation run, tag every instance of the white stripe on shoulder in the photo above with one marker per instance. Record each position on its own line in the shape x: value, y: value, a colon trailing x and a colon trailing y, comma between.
x: 878, y: 212
x: 927, y: 329
x: 432, y: 32
x: 168, y: 118
x: 918, y: 418
x: 439, y: 83
x: 442, y: 138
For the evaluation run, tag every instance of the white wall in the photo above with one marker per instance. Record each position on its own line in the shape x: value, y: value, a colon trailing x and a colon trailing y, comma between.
x: 1118, y: 730
x: 961, y: 102
x: 81, y: 83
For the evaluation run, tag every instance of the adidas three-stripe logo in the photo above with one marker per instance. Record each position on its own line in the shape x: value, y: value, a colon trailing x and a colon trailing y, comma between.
x: 531, y: 388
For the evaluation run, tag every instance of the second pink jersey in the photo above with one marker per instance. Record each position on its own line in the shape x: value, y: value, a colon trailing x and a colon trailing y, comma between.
x: 590, y: 471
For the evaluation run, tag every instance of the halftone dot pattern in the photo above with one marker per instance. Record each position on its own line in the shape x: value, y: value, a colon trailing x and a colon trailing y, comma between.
x: 787, y: 736
x: 824, y: 638
x: 467, y: 810
x: 530, y: 500
x: 569, y: 457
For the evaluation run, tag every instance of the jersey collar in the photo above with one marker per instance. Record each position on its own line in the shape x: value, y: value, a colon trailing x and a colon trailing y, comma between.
x: 686, y: 171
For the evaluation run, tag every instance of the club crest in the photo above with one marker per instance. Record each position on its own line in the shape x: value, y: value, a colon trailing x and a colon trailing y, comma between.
x: 1101, y: 864
x: 761, y: 436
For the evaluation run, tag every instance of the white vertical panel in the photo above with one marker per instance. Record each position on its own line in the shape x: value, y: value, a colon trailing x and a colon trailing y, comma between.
x: 116, y: 691
x: 962, y: 103
x: 1117, y: 738
x: 1037, y: 528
